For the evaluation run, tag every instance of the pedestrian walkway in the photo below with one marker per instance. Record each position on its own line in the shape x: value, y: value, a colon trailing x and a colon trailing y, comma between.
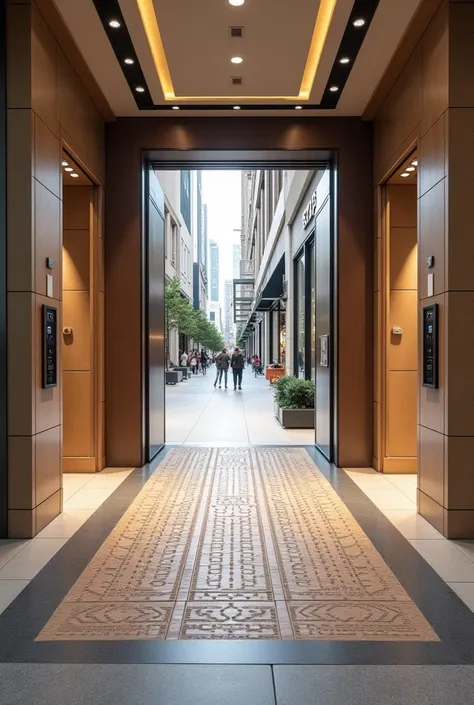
x: 197, y: 413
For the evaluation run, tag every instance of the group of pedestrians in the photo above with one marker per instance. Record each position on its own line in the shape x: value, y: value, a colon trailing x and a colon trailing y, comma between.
x: 196, y: 360
x: 236, y: 363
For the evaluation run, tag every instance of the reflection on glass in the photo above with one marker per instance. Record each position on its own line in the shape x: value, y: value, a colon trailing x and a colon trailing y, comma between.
x: 313, y: 311
x: 300, y: 319
x: 282, y: 359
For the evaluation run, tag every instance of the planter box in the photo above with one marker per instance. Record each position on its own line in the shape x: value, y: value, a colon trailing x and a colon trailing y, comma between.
x: 173, y: 377
x: 273, y: 373
x: 295, y: 418
x: 185, y: 370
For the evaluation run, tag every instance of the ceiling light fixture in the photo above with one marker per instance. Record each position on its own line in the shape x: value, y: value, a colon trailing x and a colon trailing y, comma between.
x: 175, y: 107
x: 75, y: 176
x: 236, y: 60
x: 405, y: 174
x: 359, y: 22
x: 64, y: 163
x: 236, y: 107
x: 236, y: 3
x: 410, y: 168
x: 298, y: 107
x: 129, y: 61
x: 415, y: 162
x: 344, y: 60
x: 69, y: 169
x: 334, y: 89
x: 115, y: 24
x: 140, y: 89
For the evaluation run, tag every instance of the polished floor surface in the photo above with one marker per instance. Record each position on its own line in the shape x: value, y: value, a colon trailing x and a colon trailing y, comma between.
x: 238, y: 544
x: 305, y: 528
x: 197, y: 413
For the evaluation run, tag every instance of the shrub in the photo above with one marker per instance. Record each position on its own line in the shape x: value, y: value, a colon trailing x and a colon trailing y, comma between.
x: 294, y: 393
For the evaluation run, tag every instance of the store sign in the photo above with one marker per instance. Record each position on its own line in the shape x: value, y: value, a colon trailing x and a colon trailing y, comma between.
x: 310, y: 210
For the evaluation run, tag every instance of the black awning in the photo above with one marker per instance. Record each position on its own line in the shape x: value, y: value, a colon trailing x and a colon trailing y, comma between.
x: 273, y: 289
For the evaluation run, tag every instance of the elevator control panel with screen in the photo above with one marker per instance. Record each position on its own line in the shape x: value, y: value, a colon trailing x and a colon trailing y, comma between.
x: 430, y: 346
x: 50, y: 347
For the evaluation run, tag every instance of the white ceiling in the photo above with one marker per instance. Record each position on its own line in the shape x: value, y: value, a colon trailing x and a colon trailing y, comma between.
x: 196, y: 40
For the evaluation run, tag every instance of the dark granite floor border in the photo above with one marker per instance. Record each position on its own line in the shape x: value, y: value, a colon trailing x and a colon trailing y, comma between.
x: 447, y: 614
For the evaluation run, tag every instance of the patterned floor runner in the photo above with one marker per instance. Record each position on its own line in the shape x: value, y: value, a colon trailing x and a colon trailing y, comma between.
x: 237, y: 543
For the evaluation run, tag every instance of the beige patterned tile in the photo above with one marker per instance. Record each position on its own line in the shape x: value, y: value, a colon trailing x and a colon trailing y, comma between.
x: 238, y: 543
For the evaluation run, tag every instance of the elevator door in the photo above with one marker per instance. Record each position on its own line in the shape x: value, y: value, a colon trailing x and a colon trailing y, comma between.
x: 155, y: 318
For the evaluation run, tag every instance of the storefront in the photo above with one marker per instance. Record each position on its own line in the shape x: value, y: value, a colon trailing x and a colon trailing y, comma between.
x: 312, y: 246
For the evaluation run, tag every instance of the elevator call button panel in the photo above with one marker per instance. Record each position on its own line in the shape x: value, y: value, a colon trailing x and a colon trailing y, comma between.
x: 430, y: 346
x: 50, y: 347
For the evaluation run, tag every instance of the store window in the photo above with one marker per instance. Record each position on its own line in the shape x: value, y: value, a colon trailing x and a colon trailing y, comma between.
x: 312, y: 326
x: 305, y: 312
x: 300, y: 317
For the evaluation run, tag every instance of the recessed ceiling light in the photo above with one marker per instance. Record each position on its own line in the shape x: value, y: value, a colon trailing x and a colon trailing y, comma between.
x: 334, y: 89
x: 129, y: 61
x: 405, y: 174
x: 410, y: 168
x: 415, y: 162
x: 344, y: 60
x: 175, y: 107
x: 140, y: 89
x: 236, y: 107
x: 75, y: 176
x: 236, y: 60
x: 298, y: 107
x: 359, y: 22
x: 64, y: 163
x: 114, y: 23
x: 236, y: 3
x: 69, y: 169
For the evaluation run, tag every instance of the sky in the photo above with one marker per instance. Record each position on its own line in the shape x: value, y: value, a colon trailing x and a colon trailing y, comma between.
x: 222, y: 193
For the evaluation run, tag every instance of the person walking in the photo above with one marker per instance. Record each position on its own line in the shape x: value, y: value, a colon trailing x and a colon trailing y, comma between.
x: 203, y: 362
x: 193, y: 363
x: 222, y: 367
x: 184, y: 359
x: 237, y: 363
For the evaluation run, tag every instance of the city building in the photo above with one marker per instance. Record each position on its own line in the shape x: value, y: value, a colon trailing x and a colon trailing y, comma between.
x: 236, y: 261
x: 178, y: 244
x: 214, y: 271
x: 229, y: 335
x: 200, y: 280
x: 170, y: 541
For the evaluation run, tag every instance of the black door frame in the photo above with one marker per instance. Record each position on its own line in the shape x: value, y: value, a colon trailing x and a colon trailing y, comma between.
x: 172, y: 160
x: 3, y: 279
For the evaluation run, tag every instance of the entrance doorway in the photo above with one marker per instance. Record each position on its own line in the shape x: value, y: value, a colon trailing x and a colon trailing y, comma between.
x: 82, y: 323
x: 232, y: 241
x: 399, y: 314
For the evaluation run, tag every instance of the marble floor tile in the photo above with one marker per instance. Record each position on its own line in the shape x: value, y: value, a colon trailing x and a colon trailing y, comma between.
x: 9, y: 590
x: 9, y: 549
x: 446, y: 559
x: 28, y: 562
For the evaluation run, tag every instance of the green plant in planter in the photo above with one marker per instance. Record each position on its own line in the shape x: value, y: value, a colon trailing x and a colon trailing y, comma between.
x: 294, y: 393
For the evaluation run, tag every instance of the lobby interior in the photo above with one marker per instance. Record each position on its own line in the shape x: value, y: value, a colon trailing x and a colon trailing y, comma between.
x: 144, y: 559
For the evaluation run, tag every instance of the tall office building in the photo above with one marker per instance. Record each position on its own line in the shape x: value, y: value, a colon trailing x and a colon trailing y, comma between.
x: 214, y: 273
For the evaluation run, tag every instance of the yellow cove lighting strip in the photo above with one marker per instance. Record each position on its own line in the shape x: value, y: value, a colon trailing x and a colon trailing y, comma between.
x: 155, y: 42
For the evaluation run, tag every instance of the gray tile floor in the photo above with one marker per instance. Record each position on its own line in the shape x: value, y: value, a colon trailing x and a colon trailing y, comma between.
x: 135, y: 685
x: 234, y: 685
x: 374, y: 685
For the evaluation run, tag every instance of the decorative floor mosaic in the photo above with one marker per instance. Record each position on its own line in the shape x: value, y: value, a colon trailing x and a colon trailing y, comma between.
x: 237, y: 543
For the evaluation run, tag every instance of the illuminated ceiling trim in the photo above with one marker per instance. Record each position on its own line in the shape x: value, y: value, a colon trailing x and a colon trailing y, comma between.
x: 152, y: 30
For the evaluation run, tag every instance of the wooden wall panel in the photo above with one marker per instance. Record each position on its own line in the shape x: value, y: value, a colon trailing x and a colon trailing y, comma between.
x: 45, y: 104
